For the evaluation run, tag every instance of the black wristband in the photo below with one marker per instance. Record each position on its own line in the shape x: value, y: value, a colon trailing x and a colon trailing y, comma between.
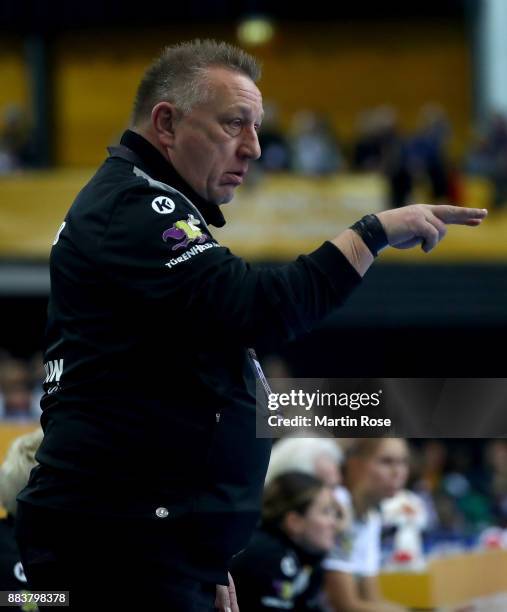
x: 372, y: 232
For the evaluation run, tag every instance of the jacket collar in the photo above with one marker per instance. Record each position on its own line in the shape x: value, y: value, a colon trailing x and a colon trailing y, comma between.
x: 156, y: 166
x: 305, y: 556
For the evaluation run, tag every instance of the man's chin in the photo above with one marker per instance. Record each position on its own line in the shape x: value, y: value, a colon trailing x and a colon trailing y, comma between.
x: 224, y: 197
x: 226, y: 201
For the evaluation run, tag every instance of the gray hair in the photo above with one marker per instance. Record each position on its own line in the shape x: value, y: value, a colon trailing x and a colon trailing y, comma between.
x: 15, y: 470
x: 178, y: 75
x: 300, y: 454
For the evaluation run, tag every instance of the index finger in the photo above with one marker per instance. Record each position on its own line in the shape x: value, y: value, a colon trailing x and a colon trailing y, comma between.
x: 458, y: 215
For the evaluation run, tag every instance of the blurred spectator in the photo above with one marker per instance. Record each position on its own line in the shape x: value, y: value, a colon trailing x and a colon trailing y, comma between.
x: 16, y: 397
x: 445, y: 519
x: 13, y: 477
x: 463, y: 482
x: 275, y: 156
x: 281, y: 567
x: 452, y: 486
x: 16, y: 146
x: 380, y: 148
x: 422, y: 487
x: 320, y: 457
x: 450, y: 521
x: 433, y: 464
x: 367, y: 155
x: 427, y: 151
x: 37, y: 376
x: 314, y: 147
x: 375, y: 469
x: 488, y: 157
x: 496, y: 458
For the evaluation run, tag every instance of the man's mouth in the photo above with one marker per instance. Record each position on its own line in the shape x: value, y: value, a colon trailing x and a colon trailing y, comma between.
x: 234, y: 178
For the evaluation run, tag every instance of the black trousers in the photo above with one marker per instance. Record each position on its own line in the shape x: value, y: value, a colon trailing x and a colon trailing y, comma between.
x: 106, y: 564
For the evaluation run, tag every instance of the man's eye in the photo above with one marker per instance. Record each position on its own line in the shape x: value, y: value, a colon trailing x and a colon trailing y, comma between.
x: 234, y: 127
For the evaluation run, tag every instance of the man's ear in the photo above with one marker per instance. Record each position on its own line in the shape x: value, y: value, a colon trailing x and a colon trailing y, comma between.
x: 164, y: 117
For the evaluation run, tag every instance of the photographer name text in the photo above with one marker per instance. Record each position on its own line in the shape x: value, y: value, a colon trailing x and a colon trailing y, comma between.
x: 276, y: 420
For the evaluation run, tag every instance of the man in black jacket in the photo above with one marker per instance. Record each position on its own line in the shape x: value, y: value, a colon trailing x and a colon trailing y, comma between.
x: 150, y: 471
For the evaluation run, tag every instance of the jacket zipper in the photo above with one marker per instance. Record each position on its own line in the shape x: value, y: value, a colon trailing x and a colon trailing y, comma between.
x: 258, y: 373
x: 217, y: 417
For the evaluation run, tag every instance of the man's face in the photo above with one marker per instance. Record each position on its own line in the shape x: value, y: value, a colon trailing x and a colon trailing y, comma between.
x: 214, y: 143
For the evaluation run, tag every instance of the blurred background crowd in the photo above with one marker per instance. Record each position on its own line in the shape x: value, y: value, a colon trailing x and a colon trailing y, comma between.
x: 311, y: 146
x: 463, y: 483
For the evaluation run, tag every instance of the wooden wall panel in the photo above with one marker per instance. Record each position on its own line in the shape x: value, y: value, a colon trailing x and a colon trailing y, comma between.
x: 338, y: 69
x: 13, y: 78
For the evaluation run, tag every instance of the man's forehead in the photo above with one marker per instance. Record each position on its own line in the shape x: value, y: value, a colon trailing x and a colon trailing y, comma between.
x: 234, y: 89
x: 247, y: 109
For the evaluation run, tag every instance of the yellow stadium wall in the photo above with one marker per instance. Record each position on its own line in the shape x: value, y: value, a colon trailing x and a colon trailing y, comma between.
x: 13, y: 77
x: 303, y: 208
x: 338, y: 69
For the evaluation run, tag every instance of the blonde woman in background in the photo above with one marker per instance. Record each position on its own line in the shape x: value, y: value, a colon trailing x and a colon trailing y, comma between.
x: 374, y: 470
x: 14, y: 474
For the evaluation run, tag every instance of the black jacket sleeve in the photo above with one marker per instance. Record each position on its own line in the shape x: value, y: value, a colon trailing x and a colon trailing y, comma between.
x: 173, y: 259
x: 258, y: 577
x: 269, y: 575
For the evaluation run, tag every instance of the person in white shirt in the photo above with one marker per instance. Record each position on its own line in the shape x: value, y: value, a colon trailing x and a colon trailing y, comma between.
x: 320, y: 457
x: 375, y: 469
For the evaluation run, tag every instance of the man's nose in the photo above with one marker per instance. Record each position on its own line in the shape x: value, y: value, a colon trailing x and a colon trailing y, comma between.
x: 250, y: 147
